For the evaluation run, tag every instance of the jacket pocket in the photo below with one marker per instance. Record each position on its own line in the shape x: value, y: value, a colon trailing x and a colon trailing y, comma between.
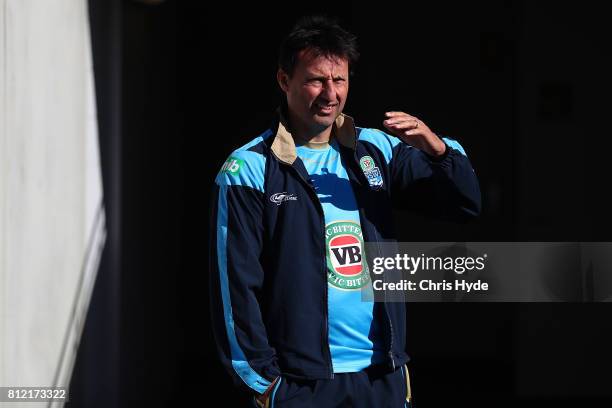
x: 272, y: 397
x: 269, y: 401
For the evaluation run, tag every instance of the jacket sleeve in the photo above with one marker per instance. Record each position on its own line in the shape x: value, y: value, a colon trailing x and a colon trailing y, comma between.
x: 236, y: 275
x: 444, y: 187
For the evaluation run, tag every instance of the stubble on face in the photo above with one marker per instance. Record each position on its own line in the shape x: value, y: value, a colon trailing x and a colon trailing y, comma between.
x: 317, y: 93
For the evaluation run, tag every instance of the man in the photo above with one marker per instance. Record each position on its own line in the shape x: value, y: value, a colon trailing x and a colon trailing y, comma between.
x: 291, y: 212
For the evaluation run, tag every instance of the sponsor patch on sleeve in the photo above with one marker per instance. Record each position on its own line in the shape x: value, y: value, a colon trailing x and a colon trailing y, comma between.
x: 232, y: 165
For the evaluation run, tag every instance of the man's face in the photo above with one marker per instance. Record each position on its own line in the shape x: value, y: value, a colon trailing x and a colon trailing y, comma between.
x: 317, y: 90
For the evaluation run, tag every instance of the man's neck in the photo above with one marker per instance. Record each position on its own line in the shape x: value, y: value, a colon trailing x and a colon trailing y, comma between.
x: 309, y: 135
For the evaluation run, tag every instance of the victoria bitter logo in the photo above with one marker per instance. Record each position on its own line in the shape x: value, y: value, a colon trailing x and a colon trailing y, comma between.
x: 346, y: 264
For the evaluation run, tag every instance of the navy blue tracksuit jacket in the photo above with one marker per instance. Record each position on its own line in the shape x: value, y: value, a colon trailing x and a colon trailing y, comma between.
x: 268, y: 273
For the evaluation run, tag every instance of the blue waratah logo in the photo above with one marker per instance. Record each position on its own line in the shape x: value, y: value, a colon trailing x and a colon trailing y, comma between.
x: 279, y: 198
x: 371, y: 172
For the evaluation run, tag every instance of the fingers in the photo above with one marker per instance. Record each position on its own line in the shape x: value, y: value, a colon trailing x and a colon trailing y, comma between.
x: 391, y: 114
x: 402, y: 123
x: 411, y: 132
x: 395, y: 117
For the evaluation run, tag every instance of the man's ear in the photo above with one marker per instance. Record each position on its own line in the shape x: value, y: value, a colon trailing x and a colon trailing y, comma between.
x: 283, y: 80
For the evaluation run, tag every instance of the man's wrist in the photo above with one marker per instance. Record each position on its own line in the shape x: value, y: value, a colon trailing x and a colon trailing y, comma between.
x: 440, y: 149
x: 442, y: 156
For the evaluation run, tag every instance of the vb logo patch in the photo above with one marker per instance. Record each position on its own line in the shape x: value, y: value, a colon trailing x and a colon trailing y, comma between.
x: 371, y: 172
x: 346, y: 265
x: 232, y: 165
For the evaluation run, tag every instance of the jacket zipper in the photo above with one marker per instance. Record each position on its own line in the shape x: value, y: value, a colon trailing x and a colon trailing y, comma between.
x: 390, y: 352
x: 391, y: 343
x: 326, y: 334
x: 388, y: 317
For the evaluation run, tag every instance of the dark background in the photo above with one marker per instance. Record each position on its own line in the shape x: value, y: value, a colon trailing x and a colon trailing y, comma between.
x: 523, y: 86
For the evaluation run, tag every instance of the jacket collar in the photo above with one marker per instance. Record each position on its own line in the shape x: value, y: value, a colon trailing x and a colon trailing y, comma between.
x: 283, y: 145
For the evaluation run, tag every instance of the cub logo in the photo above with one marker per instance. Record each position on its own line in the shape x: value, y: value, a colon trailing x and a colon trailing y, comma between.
x: 346, y: 265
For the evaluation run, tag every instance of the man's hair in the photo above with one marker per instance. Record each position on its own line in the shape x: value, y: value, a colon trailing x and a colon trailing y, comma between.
x: 320, y: 34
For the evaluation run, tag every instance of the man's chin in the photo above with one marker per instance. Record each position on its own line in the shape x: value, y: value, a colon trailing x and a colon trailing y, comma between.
x: 325, y: 121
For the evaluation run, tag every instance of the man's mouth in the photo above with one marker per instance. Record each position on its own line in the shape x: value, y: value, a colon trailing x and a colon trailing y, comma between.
x: 325, y: 107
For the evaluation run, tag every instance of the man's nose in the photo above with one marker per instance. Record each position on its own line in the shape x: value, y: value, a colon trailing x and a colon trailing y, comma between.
x: 329, y: 91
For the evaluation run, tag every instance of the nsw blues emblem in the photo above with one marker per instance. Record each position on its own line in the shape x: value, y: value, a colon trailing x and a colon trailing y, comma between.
x: 371, y: 172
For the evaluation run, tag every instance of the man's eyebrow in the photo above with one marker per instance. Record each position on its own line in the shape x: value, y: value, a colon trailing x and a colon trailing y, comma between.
x: 311, y: 77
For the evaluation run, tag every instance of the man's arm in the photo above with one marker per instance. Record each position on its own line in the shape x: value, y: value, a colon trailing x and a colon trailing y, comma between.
x: 429, y: 174
x: 236, y: 275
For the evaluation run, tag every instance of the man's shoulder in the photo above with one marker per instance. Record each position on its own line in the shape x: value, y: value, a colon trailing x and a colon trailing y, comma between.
x: 384, y: 142
x: 245, y: 166
x: 256, y: 145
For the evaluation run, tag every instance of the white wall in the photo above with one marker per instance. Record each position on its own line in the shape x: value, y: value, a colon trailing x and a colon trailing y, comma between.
x: 50, y: 188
